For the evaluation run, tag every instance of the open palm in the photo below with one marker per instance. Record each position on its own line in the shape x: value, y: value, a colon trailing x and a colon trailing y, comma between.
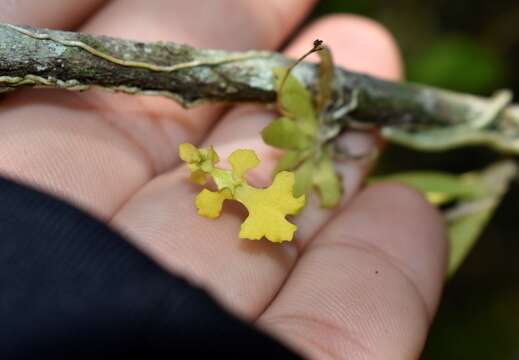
x: 360, y: 282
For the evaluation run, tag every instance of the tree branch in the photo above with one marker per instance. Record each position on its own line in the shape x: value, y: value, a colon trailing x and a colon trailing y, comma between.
x: 76, y: 61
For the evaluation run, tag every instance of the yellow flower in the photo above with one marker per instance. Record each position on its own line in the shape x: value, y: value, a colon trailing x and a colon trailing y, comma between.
x: 267, y: 207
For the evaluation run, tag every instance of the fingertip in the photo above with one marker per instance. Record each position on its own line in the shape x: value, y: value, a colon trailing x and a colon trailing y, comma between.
x: 414, y: 232
x: 369, y: 283
x: 357, y: 43
x: 405, y: 195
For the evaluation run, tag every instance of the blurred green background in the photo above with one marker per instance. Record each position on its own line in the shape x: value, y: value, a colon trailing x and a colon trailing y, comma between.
x: 470, y: 46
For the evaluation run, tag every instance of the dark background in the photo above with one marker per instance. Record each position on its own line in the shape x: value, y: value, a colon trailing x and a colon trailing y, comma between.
x: 469, y: 46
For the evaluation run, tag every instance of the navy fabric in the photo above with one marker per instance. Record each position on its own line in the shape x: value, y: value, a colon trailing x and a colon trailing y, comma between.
x: 70, y: 287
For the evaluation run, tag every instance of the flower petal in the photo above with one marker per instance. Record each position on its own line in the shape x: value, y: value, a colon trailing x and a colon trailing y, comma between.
x: 209, y: 203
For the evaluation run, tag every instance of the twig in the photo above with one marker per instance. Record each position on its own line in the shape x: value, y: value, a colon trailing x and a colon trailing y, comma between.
x: 40, y: 57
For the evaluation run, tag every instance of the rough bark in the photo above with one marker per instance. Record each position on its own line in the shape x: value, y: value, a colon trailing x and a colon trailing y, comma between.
x: 76, y: 61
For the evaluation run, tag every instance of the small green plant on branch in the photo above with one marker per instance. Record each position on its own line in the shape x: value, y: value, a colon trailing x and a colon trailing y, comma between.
x: 316, y: 104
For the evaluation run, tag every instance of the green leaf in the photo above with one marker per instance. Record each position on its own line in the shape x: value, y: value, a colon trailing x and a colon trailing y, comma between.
x: 439, y: 187
x: 463, y: 234
x: 442, y: 139
x: 304, y: 178
x: 290, y: 160
x: 478, y: 194
x: 284, y: 133
x: 327, y: 182
x: 467, y: 221
x: 296, y: 101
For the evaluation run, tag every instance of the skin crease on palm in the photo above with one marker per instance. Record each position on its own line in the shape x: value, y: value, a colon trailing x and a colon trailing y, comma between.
x: 360, y: 282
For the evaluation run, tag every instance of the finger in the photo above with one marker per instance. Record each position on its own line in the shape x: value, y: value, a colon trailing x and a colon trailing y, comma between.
x: 354, y: 42
x: 161, y: 218
x: 50, y: 14
x: 97, y: 149
x: 367, y: 287
x: 227, y: 24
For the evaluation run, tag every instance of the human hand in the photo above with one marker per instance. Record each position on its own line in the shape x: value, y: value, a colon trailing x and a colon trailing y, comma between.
x: 361, y: 282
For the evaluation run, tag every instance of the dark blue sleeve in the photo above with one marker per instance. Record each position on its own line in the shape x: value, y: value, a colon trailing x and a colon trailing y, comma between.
x: 71, y: 288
